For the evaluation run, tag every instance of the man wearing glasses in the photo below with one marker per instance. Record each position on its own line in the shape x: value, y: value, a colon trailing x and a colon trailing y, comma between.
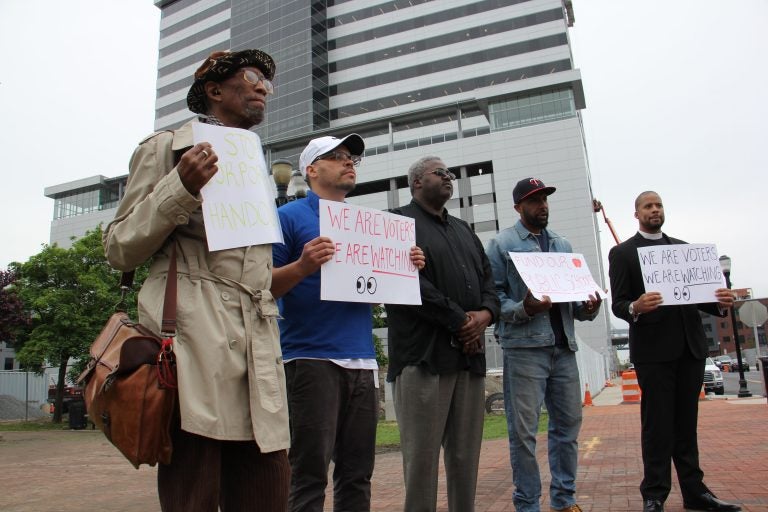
x: 330, y: 362
x: 437, y: 349
x: 231, y: 437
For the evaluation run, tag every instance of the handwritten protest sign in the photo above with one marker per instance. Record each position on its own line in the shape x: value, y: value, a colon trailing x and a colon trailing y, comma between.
x: 372, y: 262
x: 562, y: 276
x: 239, y: 201
x: 682, y: 273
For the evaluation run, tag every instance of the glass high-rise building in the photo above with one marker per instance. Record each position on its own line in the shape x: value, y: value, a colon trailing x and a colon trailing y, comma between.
x: 489, y: 86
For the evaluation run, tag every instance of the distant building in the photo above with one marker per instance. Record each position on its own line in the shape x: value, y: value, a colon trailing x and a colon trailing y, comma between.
x: 719, y: 331
x: 81, y: 205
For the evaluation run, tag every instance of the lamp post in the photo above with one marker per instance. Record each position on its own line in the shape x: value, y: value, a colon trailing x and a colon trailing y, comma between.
x: 725, y: 264
x: 282, y: 171
x: 299, y: 185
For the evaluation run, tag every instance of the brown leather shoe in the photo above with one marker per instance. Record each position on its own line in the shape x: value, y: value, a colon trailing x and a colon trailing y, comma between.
x: 570, y: 508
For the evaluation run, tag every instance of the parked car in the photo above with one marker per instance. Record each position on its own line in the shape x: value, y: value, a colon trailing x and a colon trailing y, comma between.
x: 721, y: 361
x: 713, y: 378
x: 735, y: 365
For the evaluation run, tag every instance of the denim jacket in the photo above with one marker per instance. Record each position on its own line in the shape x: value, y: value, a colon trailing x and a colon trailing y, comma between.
x: 514, y: 327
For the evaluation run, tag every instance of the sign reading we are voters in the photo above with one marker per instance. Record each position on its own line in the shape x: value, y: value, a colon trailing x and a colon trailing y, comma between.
x: 562, y: 276
x: 239, y: 201
x: 372, y: 259
x: 682, y: 273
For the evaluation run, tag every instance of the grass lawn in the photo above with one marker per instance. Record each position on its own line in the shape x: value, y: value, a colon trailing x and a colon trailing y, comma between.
x: 495, y: 427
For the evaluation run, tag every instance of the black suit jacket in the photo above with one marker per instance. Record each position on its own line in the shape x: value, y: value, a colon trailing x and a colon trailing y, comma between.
x: 663, y: 334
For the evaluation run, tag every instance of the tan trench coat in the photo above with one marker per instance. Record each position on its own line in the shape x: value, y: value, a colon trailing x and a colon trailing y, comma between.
x: 230, y: 368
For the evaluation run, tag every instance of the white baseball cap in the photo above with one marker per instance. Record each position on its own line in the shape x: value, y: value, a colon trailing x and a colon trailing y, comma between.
x: 322, y: 145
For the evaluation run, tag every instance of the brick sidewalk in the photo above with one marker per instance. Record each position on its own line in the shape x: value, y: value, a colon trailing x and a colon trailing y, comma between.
x: 733, y: 441
x: 78, y: 470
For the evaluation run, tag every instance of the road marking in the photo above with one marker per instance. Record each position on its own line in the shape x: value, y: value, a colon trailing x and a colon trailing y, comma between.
x: 590, y: 446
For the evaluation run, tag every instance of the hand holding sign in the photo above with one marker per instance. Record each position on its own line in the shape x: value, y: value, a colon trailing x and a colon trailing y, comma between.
x: 593, y: 303
x: 647, y: 302
x: 197, y: 166
x: 725, y: 298
x: 315, y: 252
x: 534, y: 306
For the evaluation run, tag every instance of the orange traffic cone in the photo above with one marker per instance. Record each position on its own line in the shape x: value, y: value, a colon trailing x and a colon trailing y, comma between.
x: 609, y: 383
x: 702, y: 396
x: 587, y: 396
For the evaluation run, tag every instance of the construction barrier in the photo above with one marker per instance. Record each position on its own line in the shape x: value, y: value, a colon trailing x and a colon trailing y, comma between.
x: 587, y: 396
x: 630, y: 389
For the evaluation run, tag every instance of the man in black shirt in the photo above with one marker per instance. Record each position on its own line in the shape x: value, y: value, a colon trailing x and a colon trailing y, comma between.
x: 437, y: 350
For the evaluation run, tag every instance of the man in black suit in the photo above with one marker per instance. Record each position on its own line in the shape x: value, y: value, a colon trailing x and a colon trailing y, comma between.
x: 668, y: 348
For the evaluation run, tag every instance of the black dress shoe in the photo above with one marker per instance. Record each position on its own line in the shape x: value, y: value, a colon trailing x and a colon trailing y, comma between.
x: 653, y: 506
x: 708, y: 502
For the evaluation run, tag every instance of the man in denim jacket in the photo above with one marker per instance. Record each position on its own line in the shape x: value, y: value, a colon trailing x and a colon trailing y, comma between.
x: 539, y: 356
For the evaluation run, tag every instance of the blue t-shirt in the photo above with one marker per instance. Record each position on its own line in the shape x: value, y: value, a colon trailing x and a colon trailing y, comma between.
x: 310, y: 327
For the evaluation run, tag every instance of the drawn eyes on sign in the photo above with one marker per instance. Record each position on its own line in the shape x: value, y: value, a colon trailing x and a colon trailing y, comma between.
x: 683, y: 293
x: 362, y: 285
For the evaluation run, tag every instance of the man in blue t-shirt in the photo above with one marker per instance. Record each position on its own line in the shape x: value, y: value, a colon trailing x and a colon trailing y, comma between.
x: 330, y: 362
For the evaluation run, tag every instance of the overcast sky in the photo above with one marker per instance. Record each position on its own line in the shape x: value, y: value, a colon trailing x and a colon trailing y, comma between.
x: 675, y: 93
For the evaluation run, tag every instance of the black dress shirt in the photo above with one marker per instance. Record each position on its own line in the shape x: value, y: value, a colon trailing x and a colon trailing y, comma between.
x: 457, y: 278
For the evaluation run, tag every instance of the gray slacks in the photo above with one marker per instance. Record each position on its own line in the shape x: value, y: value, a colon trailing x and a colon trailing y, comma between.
x: 434, y: 411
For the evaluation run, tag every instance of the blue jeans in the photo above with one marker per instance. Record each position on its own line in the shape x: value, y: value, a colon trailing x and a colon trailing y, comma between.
x: 533, y: 376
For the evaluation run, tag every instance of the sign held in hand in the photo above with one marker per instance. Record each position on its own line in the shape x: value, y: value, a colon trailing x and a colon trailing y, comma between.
x: 562, y: 276
x: 682, y: 273
x: 372, y: 262
x: 239, y: 201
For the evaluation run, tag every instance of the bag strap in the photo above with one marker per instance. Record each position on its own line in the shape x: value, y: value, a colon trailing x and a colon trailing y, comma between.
x: 168, y: 326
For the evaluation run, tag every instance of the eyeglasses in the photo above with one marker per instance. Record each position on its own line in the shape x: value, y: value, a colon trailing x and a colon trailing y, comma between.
x: 442, y: 173
x: 254, y: 78
x: 340, y: 156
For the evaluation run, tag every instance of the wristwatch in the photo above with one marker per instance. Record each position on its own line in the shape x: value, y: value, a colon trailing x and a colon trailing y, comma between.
x: 632, y: 311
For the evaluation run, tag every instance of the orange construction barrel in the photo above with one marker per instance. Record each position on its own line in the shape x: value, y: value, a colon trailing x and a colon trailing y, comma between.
x: 630, y: 389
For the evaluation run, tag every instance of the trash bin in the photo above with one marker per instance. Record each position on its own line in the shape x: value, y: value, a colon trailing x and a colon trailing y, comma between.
x: 764, y: 367
x: 77, y: 415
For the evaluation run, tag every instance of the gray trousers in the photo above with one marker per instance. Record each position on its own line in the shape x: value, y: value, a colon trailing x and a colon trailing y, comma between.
x: 434, y: 411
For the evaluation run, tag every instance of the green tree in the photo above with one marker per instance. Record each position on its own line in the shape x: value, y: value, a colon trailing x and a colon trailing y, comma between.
x: 69, y: 294
x: 13, y: 317
x: 379, y: 321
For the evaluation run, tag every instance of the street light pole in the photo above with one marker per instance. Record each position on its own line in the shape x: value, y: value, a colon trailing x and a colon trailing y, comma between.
x: 281, y: 173
x: 725, y: 264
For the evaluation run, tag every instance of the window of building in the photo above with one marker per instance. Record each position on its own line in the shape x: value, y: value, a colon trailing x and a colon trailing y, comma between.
x: 528, y: 109
x: 8, y: 365
x: 84, y: 201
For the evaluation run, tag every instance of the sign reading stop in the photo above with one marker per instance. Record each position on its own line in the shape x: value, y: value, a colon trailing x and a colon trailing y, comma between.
x: 753, y: 313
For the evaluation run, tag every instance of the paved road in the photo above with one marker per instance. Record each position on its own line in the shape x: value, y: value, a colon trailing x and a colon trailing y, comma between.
x: 69, y: 471
x: 753, y: 378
